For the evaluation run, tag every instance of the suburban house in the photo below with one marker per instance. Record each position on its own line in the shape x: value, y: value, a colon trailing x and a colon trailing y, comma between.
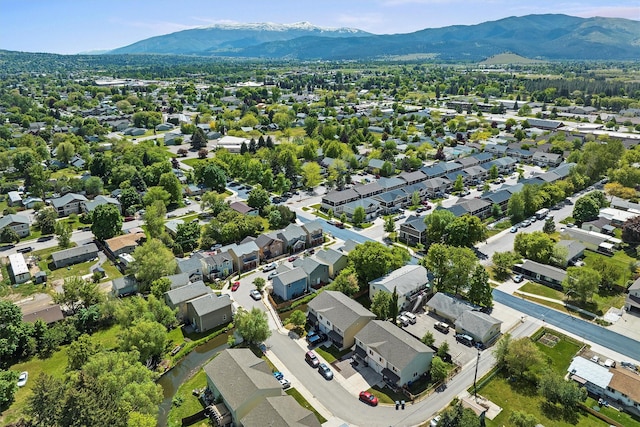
x: 334, y: 259
x: 448, y: 307
x: 410, y: 282
x: 192, y: 267
x: 48, y: 315
x: 371, y: 208
x: 614, y: 383
x: 124, y: 244
x: 315, y: 236
x: 575, y: 251
x: 68, y: 204
x: 413, y: 230
x: 74, y: 255
x: 209, y: 311
x: 542, y: 273
x: 294, y: 238
x: 546, y: 159
x: 218, y: 265
x: 476, y: 207
x: 338, y: 316
x: 290, y: 284
x: 280, y: 411
x: 178, y: 298
x: 317, y: 272
x: 241, y: 380
x: 596, y: 242
x: 478, y: 325
x: 18, y: 269
x: 14, y: 198
x: 123, y: 286
x: 90, y: 205
x: 178, y: 280
x: 18, y: 223
x: 243, y: 208
x: 245, y: 256
x: 270, y: 246
x: 171, y: 226
x: 632, y: 301
x: 600, y: 225
x: 390, y: 351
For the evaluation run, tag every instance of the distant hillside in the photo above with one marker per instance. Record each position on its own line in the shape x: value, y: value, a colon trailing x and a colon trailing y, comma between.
x: 231, y: 39
x: 545, y: 37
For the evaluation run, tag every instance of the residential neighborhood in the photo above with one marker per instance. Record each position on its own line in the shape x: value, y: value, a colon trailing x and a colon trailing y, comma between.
x: 318, y: 247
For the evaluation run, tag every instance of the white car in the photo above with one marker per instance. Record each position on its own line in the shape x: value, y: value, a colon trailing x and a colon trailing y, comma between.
x: 518, y: 278
x: 284, y: 383
x: 434, y: 422
x: 22, y: 379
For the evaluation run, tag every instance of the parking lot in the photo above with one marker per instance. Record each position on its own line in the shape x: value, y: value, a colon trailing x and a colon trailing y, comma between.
x: 460, y: 353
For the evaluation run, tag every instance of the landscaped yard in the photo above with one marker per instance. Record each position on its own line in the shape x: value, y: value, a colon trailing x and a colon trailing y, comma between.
x: 561, y: 353
x: 185, y: 403
x: 331, y: 354
x: 619, y: 259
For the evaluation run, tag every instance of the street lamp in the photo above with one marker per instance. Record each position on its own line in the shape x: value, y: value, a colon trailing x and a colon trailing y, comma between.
x: 475, y: 377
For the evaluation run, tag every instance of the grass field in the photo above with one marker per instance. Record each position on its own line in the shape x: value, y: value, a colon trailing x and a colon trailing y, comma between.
x: 55, y: 365
x: 185, y: 403
x: 560, y: 354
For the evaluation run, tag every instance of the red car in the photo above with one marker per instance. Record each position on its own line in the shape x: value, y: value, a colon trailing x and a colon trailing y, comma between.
x: 368, y: 398
x: 293, y: 258
x: 235, y: 286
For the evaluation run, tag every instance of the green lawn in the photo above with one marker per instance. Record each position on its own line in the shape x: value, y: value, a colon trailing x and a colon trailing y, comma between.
x: 623, y: 418
x: 192, y: 162
x: 303, y: 402
x: 185, y: 403
x: 513, y: 396
x: 55, y: 365
x: 561, y: 354
x: 542, y: 290
x: 331, y: 354
x: 619, y: 259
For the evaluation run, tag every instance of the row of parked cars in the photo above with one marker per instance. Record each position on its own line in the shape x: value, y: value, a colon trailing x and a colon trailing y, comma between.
x: 406, y: 318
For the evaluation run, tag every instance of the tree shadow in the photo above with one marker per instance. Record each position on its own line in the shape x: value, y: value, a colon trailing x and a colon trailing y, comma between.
x: 555, y: 412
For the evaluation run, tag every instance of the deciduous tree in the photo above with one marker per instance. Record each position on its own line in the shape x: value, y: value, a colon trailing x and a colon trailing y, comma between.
x: 154, y: 217
x: 359, y: 216
x: 479, y: 287
x: 381, y: 304
x: 147, y: 337
x: 581, y: 281
x: 107, y: 222
x: 439, y: 369
x: 258, y: 198
x: 152, y: 261
x: 252, y: 325
x: 311, y: 174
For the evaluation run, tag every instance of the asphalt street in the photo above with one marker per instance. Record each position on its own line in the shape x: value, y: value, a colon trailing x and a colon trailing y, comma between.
x: 588, y: 331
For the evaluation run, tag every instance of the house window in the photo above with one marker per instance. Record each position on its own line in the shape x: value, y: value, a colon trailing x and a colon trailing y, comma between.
x: 321, y: 317
x: 380, y: 359
x: 328, y: 323
x: 370, y: 353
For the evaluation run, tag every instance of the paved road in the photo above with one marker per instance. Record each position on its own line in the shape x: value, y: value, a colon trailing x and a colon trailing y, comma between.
x: 588, y: 331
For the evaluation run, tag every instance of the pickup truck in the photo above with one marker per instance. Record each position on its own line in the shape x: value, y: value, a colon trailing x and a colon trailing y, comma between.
x: 442, y: 327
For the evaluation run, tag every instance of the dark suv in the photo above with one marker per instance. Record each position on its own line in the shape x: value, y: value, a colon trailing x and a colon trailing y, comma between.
x: 316, y: 338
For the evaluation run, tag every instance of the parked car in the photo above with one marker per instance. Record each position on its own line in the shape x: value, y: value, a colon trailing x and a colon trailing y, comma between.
x: 518, y: 278
x: 255, y: 294
x: 514, y: 229
x: 278, y: 375
x: 25, y: 249
x: 292, y: 258
x: 442, y: 327
x: 272, y: 275
x: 526, y: 223
x: 403, y: 320
x: 311, y: 358
x: 315, y: 338
x: 325, y: 371
x: 235, y: 286
x: 284, y: 383
x: 434, y: 422
x: 465, y: 339
x: 368, y: 398
x: 412, y: 317
x: 22, y: 379
x: 269, y: 267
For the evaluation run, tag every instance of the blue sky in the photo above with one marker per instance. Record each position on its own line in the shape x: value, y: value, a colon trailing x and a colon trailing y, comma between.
x: 72, y: 26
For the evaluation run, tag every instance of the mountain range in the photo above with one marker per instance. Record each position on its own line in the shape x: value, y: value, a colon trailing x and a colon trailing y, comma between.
x: 552, y: 37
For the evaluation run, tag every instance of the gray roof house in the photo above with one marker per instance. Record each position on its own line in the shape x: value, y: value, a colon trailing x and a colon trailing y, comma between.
x: 336, y: 199
x: 545, y: 274
x: 575, y: 250
x: 178, y: 280
x: 334, y: 259
x: 632, y: 301
x: 246, y: 256
x: 191, y: 266
x: 18, y: 223
x: 294, y: 238
x: 317, y: 272
x: 241, y: 380
x: 390, y: 351
x: 74, y: 255
x: 280, y: 411
x: 314, y: 231
x: 290, y: 284
x: 409, y: 281
x: 339, y: 316
x: 177, y: 298
x: 413, y: 230
x: 209, y: 311
x: 270, y: 246
x: 90, y: 205
x: 14, y: 198
x: 122, y: 286
x: 479, y: 326
x: 68, y: 204
x: 448, y: 307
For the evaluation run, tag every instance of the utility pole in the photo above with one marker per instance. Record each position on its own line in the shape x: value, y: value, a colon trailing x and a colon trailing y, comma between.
x: 475, y: 377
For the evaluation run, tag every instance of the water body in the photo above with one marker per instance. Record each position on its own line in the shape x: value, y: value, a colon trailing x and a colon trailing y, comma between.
x: 184, y: 370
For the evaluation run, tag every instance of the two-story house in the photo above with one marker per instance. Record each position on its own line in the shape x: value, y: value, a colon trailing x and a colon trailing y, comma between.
x: 68, y: 204
x: 413, y: 231
x: 270, y: 246
x: 390, y: 351
x: 315, y: 236
x: 294, y: 238
x: 339, y: 316
x: 632, y: 301
x: 18, y: 223
x: 290, y: 284
x: 410, y: 283
x: 246, y: 256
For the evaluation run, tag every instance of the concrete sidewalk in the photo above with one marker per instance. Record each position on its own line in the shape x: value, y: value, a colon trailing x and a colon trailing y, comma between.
x: 557, y: 301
